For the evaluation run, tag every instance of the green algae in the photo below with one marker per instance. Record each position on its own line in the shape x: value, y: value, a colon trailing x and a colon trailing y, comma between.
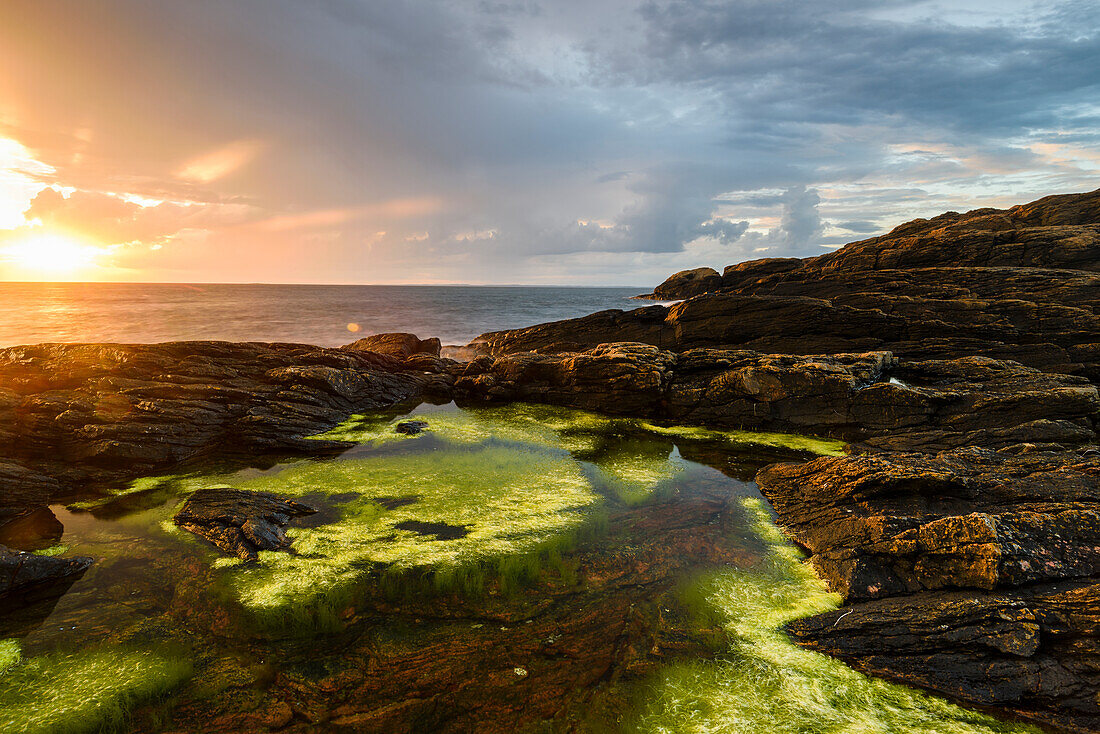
x: 513, y: 487
x: 88, y: 691
x: 766, y: 683
x: 574, y: 430
x: 505, y: 499
x: 794, y: 441
x: 54, y: 550
x: 10, y: 654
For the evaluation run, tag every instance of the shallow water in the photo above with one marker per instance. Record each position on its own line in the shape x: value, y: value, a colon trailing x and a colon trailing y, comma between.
x: 609, y: 573
x: 32, y: 313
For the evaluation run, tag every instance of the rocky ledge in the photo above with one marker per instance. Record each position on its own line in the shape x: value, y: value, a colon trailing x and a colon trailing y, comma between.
x: 1021, y: 284
x: 960, y: 357
x: 972, y: 572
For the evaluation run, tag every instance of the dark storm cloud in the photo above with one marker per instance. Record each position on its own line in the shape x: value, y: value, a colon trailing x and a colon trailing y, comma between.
x: 424, y: 140
x: 835, y: 62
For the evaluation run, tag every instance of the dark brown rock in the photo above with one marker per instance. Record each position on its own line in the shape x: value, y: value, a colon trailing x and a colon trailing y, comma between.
x: 85, y: 413
x: 239, y: 522
x: 1017, y: 284
x: 1032, y: 651
x: 859, y: 397
x: 686, y: 283
x: 972, y: 572
x: 398, y: 345
x: 25, y: 575
x: 883, y: 525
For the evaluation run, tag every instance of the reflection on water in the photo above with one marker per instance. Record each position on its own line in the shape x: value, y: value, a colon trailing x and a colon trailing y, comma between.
x: 32, y: 313
x: 609, y: 574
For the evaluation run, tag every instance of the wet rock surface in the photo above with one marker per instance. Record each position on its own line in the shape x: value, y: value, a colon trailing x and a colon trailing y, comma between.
x: 410, y: 428
x: 26, y: 575
x: 76, y: 414
x: 870, y: 398
x: 239, y: 522
x: 31, y: 585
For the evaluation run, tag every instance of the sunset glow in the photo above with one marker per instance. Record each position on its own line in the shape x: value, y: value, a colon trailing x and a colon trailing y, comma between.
x: 590, y: 144
x: 51, y: 254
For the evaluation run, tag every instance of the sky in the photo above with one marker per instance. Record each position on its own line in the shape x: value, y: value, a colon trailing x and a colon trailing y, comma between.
x: 603, y: 142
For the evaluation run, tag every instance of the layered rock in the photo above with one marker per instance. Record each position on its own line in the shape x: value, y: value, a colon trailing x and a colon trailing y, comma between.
x: 871, y: 398
x: 1017, y: 284
x: 74, y: 414
x: 972, y: 572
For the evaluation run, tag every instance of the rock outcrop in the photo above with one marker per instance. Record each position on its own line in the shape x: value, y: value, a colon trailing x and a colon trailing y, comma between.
x: 72, y: 415
x: 239, y: 522
x: 974, y: 573
x: 1021, y: 284
x: 870, y: 398
x: 686, y: 283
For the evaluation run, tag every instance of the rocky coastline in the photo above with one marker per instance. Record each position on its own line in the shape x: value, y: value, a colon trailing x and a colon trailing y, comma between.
x: 958, y: 357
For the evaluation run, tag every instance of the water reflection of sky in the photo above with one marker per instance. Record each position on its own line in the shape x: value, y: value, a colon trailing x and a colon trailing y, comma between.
x: 132, y: 312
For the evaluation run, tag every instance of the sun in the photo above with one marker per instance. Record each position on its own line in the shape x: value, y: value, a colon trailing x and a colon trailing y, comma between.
x: 53, y: 253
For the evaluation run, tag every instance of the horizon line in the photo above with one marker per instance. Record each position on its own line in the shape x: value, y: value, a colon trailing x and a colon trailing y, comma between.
x: 330, y: 285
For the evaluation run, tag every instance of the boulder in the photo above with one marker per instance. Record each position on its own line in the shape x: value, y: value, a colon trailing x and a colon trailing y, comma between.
x: 239, y: 522
x: 398, y: 345
x: 687, y: 283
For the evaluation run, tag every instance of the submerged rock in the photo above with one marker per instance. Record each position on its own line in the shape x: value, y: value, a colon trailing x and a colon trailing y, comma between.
x: 27, y: 575
x: 238, y: 522
x: 411, y: 428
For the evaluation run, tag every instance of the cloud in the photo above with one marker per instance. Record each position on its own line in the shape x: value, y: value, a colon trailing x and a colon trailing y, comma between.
x: 859, y: 227
x: 221, y: 162
x: 596, y: 142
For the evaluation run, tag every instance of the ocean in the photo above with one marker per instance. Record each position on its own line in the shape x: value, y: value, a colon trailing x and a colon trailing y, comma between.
x: 326, y: 315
